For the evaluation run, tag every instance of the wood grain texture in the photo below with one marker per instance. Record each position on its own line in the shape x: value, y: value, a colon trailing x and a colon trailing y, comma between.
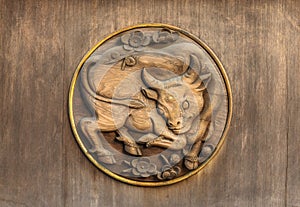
x: 31, y: 104
x: 43, y: 41
x: 292, y: 32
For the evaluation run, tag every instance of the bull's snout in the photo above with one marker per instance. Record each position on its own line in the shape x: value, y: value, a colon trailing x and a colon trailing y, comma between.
x: 174, y: 123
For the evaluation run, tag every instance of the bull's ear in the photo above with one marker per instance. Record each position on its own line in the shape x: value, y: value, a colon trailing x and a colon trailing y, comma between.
x: 149, y: 93
x: 205, y: 81
x: 206, y: 78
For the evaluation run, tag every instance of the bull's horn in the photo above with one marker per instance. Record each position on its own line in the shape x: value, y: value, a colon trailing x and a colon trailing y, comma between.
x: 190, y: 76
x: 150, y: 81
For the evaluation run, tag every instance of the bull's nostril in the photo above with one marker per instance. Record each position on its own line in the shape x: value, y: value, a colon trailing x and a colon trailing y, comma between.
x: 174, y: 124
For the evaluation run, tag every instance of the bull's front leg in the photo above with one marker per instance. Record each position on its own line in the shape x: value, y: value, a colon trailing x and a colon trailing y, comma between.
x: 164, y: 141
x: 152, y: 140
x: 191, y: 159
x: 164, y: 137
x: 172, y: 141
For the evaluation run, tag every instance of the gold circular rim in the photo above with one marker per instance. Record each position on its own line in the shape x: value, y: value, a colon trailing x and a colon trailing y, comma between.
x: 139, y: 183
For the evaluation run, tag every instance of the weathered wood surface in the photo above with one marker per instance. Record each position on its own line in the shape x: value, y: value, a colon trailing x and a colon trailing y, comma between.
x: 292, y: 28
x: 42, y: 42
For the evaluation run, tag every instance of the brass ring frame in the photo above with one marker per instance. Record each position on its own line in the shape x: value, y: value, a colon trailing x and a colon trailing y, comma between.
x: 139, y: 183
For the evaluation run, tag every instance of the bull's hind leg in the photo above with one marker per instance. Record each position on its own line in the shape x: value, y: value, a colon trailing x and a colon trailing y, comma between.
x: 130, y: 145
x: 191, y: 159
x: 89, y: 128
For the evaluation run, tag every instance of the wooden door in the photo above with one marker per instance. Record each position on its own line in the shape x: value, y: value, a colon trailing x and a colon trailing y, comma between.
x: 41, y: 44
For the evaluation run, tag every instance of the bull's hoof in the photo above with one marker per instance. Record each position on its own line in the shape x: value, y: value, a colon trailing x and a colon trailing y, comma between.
x: 133, y: 150
x: 130, y: 146
x: 191, y: 162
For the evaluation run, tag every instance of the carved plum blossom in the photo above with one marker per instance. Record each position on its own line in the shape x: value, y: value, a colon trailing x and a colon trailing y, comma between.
x: 135, y: 41
x: 170, y: 170
x: 141, y: 167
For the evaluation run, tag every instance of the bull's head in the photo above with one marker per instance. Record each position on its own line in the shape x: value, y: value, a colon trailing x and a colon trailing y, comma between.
x: 179, y: 100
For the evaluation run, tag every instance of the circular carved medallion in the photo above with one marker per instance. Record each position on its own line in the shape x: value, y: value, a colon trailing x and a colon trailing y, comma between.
x: 150, y: 105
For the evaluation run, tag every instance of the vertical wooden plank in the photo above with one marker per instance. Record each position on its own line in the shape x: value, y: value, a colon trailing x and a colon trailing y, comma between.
x: 292, y: 31
x: 31, y: 107
x: 250, y: 169
x: 247, y: 36
x: 85, y: 185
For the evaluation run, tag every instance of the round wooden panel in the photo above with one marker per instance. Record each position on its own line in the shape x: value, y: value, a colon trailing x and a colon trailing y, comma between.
x: 150, y: 105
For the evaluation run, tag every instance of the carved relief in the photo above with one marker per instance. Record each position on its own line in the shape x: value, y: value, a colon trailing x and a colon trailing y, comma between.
x: 152, y: 96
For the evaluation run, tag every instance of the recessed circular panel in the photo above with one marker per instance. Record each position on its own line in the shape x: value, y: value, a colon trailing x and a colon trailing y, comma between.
x: 150, y: 105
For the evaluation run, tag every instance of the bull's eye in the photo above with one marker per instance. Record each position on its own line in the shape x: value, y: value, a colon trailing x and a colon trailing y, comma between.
x: 185, y: 104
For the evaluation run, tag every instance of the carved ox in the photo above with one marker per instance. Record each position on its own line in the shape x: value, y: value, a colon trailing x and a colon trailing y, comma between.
x: 174, y: 113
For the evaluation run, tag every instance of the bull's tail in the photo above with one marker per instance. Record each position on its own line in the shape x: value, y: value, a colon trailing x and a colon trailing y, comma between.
x: 91, y: 97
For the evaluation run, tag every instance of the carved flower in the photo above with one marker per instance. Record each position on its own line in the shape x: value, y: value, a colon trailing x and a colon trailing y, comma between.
x: 135, y: 41
x: 165, y: 36
x: 169, y: 171
x: 141, y: 167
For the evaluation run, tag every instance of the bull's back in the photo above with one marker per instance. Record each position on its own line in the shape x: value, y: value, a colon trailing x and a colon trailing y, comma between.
x: 111, y: 117
x: 120, y: 84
